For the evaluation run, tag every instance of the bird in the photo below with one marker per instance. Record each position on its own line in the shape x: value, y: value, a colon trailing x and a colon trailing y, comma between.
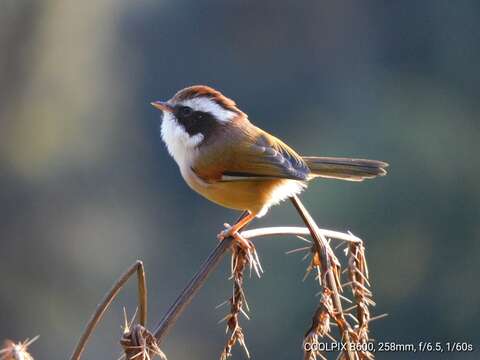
x: 228, y: 160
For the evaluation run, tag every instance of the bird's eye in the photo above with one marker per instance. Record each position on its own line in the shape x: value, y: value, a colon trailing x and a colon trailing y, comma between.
x: 186, y: 111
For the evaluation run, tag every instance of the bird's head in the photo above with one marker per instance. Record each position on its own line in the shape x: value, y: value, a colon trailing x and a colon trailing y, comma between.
x: 193, y: 116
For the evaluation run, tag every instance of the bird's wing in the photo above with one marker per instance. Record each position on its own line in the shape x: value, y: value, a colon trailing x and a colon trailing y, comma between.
x: 262, y: 157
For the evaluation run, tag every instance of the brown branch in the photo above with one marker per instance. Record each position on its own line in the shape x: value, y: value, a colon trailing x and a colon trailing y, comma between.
x: 137, y: 267
x: 210, y: 264
x: 325, y: 254
x: 240, y: 260
x: 358, y: 275
x: 194, y: 285
x: 17, y: 351
x: 326, y: 260
x: 295, y: 230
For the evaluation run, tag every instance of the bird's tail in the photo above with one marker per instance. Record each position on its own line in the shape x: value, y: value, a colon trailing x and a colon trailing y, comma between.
x: 345, y: 168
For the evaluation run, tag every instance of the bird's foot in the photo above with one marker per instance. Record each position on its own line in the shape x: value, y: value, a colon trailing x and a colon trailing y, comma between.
x: 242, y: 248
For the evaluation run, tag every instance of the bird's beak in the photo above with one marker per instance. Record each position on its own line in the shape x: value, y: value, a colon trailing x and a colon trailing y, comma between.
x: 162, y: 105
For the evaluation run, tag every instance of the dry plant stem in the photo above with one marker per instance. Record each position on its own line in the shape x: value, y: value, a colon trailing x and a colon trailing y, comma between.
x: 198, y: 280
x: 209, y: 265
x: 240, y: 260
x: 138, y: 268
x: 187, y: 295
x: 358, y: 274
x: 322, y: 247
x: 17, y: 351
x: 139, y: 344
x: 295, y: 230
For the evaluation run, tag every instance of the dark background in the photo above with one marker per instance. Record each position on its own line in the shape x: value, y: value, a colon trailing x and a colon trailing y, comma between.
x: 87, y: 187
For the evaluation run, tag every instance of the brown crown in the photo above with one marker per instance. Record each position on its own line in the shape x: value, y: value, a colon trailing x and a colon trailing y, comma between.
x: 206, y: 91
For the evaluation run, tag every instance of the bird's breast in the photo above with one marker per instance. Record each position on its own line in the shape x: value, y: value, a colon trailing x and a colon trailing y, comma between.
x: 255, y: 196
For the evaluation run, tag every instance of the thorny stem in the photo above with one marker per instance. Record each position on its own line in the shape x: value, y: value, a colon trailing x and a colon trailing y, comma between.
x: 199, y: 279
x: 210, y: 264
x: 358, y: 274
x: 295, y: 230
x: 321, y: 245
x: 237, y: 301
x: 195, y: 284
x: 138, y: 268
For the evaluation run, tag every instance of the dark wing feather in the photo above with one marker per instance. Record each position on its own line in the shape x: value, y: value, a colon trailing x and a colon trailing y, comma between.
x: 267, y: 158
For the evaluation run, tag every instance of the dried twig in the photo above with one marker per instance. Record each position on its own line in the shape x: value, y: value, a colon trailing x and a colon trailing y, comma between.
x: 240, y: 259
x: 137, y: 268
x: 320, y: 325
x: 358, y: 275
x: 139, y: 343
x: 295, y: 230
x: 209, y: 265
x: 17, y: 351
x: 193, y: 286
x: 328, y: 267
x: 212, y: 261
x: 169, y: 319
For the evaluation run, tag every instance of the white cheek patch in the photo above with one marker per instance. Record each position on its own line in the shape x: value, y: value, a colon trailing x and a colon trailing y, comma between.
x: 180, y: 145
x: 207, y: 105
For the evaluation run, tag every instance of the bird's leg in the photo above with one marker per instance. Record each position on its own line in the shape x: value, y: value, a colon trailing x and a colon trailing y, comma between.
x: 240, y: 243
x: 232, y: 231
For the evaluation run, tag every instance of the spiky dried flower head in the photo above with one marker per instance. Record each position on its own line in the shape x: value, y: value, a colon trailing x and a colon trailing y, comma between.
x: 242, y: 257
x: 138, y: 342
x: 17, y: 351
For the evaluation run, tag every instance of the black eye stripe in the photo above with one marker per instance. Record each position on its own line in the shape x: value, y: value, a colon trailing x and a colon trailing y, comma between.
x: 196, y: 122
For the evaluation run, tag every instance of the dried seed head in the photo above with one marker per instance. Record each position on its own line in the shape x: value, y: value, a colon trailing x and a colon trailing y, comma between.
x: 17, y: 351
x: 139, y: 344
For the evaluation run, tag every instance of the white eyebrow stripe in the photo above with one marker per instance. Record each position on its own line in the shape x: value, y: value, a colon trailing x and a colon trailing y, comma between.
x: 209, y: 106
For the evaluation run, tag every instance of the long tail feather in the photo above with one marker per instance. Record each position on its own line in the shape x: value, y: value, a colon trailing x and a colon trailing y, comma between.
x: 345, y: 168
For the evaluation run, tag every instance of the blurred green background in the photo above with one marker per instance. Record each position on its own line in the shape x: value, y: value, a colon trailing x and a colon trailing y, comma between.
x: 87, y: 186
